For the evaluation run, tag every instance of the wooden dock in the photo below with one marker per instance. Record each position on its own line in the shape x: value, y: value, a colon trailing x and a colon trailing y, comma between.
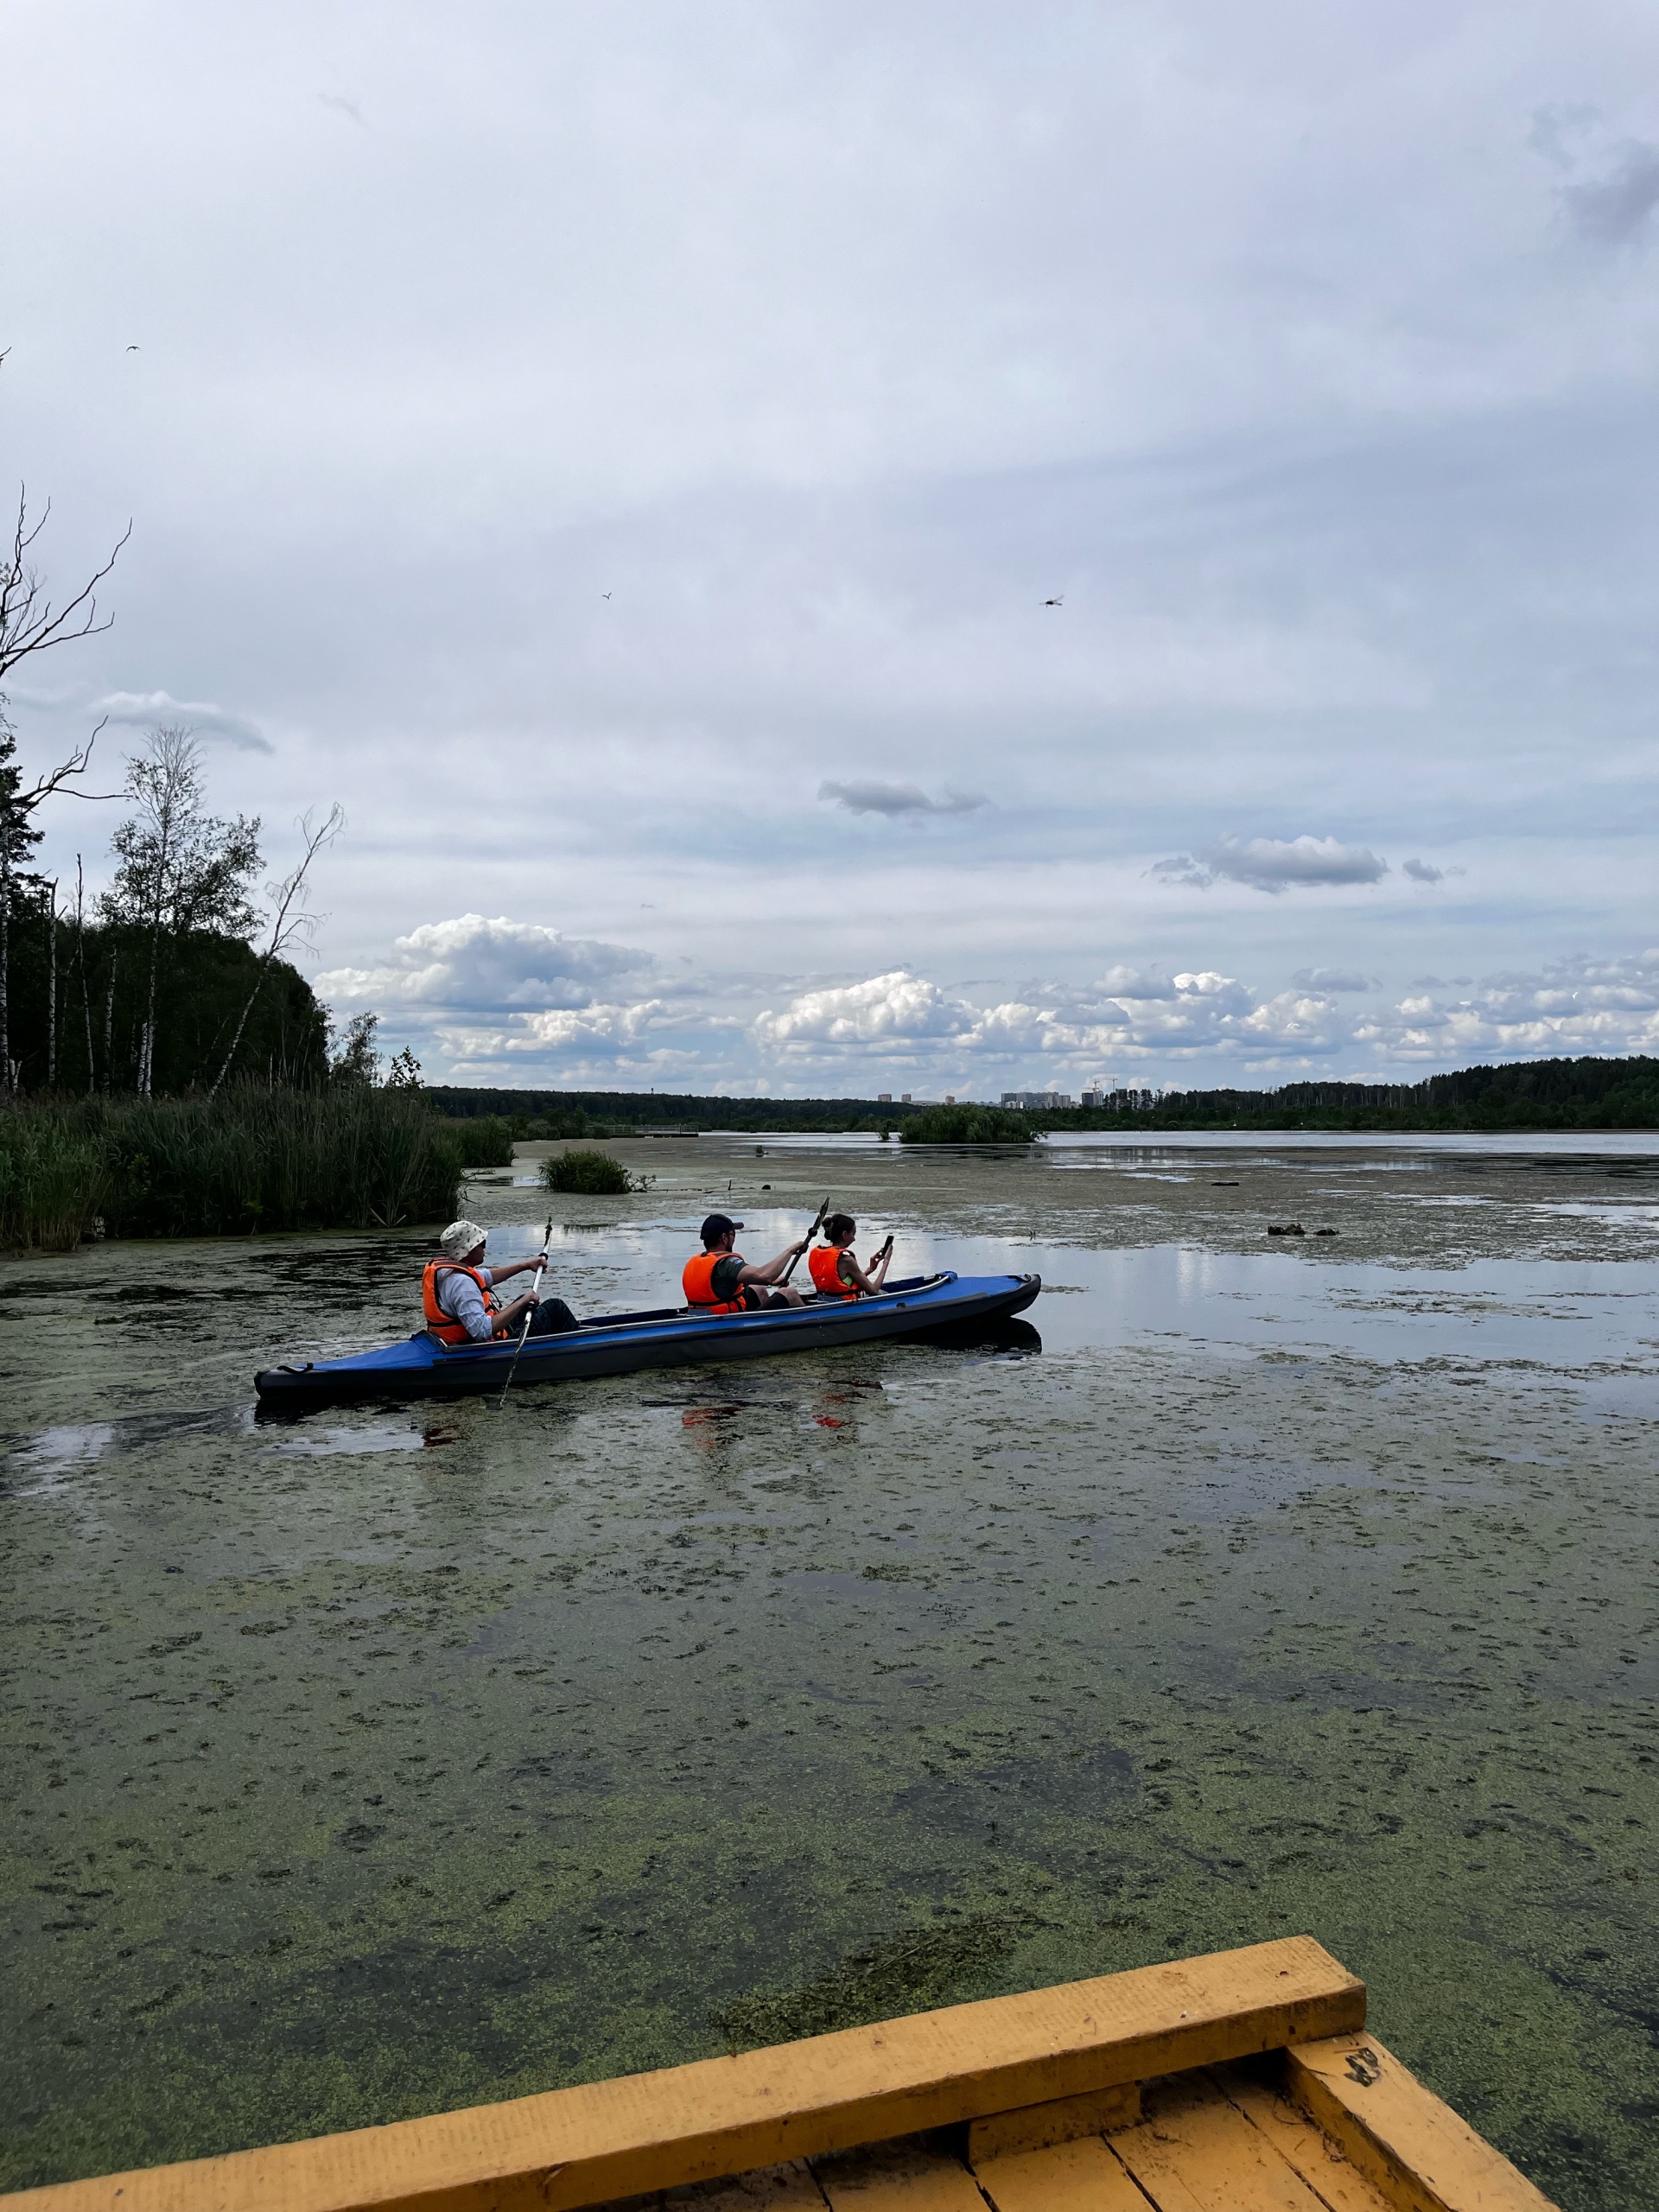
x: 1242, y: 2081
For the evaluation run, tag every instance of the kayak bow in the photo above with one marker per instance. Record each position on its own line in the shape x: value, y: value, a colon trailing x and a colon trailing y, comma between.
x: 619, y: 1343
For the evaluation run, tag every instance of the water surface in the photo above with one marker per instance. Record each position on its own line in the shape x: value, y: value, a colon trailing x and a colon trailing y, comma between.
x: 397, y: 1758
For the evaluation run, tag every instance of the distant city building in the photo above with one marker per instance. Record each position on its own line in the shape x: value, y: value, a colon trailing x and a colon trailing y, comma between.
x: 884, y: 1098
x: 1037, y: 1102
x: 904, y: 1099
x: 949, y: 1097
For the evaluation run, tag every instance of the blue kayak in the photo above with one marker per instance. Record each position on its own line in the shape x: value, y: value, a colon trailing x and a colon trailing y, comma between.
x: 618, y: 1343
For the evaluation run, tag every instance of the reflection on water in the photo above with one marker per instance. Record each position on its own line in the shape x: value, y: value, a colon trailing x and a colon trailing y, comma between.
x: 370, y: 1762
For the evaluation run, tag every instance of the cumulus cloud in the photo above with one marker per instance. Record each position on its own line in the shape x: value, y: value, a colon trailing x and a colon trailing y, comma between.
x: 893, y: 799
x: 1334, y: 979
x: 1578, y: 1005
x: 1423, y: 871
x: 890, y: 1011
x: 471, y: 963
x: 1273, y: 864
x: 160, y: 709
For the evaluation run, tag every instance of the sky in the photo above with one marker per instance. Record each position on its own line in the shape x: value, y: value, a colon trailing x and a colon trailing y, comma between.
x: 837, y: 549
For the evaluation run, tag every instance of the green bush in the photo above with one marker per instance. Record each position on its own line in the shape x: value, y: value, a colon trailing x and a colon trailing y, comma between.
x: 351, y: 1157
x: 595, y: 1174
x: 483, y: 1140
x: 966, y: 1125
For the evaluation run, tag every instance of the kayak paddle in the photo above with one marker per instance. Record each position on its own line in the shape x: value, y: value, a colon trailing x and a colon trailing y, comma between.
x: 822, y: 1211
x: 534, y: 1295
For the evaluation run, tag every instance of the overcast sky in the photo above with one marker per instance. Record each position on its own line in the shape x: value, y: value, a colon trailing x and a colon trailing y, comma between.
x: 838, y: 548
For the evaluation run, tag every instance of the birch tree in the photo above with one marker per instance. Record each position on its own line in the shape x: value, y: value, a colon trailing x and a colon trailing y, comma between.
x: 180, y: 869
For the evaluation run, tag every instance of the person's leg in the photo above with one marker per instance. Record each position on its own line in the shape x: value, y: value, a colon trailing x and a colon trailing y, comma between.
x: 790, y: 1297
x: 552, y: 1318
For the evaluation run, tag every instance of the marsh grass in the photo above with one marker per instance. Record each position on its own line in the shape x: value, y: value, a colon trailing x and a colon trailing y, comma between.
x: 252, y: 1159
x: 52, y: 1183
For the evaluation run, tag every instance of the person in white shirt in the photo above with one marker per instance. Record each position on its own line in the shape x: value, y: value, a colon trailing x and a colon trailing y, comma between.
x: 460, y: 1297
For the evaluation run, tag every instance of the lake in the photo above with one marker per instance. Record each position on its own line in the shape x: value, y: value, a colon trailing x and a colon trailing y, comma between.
x: 388, y: 1759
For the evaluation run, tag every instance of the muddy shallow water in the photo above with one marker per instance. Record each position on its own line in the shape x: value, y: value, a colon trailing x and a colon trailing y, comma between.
x: 398, y: 1757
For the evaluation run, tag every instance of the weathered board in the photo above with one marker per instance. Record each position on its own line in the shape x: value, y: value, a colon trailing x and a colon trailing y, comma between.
x: 580, y: 2146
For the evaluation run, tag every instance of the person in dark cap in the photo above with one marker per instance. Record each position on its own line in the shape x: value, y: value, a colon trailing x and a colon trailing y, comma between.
x: 719, y: 1280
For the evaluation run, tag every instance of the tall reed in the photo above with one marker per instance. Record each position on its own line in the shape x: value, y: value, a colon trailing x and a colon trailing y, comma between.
x: 251, y: 1159
x: 52, y: 1183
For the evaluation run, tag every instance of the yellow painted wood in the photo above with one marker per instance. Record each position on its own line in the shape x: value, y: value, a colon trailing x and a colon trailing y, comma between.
x: 897, y: 2178
x: 1081, y: 2175
x: 1033, y: 2127
x: 645, y: 2131
x: 1303, y: 2147
x: 1196, y: 2152
x: 1414, y: 2148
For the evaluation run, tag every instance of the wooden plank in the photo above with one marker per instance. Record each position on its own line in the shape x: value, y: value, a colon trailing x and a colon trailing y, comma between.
x: 1034, y: 2128
x: 1414, y: 2148
x: 1196, y: 2151
x: 1306, y: 2149
x: 1081, y: 2175
x: 580, y: 2146
x: 897, y: 2178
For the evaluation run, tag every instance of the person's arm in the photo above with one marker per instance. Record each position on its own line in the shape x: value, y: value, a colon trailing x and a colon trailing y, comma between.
x: 855, y: 1276
x: 517, y: 1266
x: 770, y: 1271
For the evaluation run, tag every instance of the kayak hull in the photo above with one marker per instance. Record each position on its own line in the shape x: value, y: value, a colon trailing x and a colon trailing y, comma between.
x: 623, y: 1344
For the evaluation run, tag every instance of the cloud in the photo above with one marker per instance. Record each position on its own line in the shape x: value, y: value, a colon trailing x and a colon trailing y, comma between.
x: 1423, y: 871
x: 892, y: 1011
x: 469, y: 963
x: 1334, y: 979
x: 1273, y: 864
x: 1611, y: 209
x: 894, y: 799
x: 154, y: 709
x: 1573, y: 1005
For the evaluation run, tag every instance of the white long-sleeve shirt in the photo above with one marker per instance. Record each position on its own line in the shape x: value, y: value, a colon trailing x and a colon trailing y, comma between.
x: 463, y: 1301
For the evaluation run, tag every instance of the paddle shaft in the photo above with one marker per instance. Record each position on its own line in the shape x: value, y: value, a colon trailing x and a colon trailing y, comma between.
x: 535, y: 1297
x: 823, y: 1212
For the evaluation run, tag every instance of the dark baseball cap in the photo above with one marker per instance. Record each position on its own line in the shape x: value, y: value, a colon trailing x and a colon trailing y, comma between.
x: 716, y: 1226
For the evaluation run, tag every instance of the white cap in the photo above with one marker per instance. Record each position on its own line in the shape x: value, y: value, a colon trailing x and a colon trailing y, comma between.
x: 458, y: 1240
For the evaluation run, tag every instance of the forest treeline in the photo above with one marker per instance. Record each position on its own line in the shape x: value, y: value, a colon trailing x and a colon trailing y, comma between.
x: 1560, y: 1094
x: 1588, y: 1093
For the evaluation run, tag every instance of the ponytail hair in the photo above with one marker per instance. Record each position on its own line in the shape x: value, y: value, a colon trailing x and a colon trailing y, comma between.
x: 839, y: 1228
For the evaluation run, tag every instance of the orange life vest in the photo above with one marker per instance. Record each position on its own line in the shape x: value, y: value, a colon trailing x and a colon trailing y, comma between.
x: 444, y: 1326
x: 698, y: 1283
x: 825, y: 1260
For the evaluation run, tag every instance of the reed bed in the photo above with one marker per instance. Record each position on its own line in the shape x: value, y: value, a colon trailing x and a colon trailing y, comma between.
x: 250, y: 1160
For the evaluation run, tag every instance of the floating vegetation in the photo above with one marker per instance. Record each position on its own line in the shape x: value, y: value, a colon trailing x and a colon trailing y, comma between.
x: 910, y: 1972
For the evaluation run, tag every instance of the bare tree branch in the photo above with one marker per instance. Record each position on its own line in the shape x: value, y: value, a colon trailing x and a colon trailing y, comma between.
x: 289, y: 922
x: 30, y: 623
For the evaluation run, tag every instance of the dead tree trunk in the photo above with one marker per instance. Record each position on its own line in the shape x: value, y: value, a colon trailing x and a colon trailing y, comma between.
x: 80, y: 955
x: 51, y: 985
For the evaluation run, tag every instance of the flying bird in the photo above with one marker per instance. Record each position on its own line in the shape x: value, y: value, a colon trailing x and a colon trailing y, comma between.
x: 135, y: 349
x: 1060, y: 601
x: 604, y: 594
